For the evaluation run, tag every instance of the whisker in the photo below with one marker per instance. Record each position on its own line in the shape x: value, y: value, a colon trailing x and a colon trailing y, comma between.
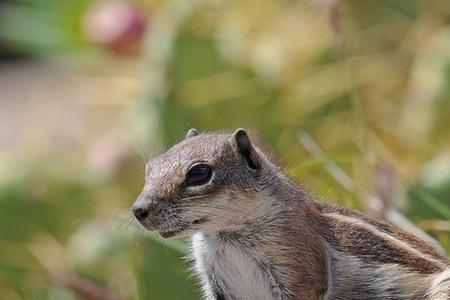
x: 130, y: 150
x: 139, y: 143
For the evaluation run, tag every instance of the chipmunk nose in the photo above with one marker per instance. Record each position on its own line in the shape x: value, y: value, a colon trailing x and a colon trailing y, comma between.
x: 141, y: 213
x: 141, y: 208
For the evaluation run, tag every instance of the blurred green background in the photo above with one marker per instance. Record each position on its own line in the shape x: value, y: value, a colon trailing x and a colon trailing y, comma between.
x: 352, y: 96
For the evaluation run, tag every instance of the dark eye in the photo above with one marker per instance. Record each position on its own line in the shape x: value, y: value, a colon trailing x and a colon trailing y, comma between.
x: 198, y: 174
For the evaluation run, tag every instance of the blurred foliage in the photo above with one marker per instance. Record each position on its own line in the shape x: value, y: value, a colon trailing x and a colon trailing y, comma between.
x: 340, y: 90
x: 45, y: 27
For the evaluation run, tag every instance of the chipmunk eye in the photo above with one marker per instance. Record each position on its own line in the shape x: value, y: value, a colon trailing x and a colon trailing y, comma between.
x: 198, y: 174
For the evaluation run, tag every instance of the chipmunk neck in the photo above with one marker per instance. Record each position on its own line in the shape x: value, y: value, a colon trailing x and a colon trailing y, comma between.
x: 269, y: 212
x: 272, y: 254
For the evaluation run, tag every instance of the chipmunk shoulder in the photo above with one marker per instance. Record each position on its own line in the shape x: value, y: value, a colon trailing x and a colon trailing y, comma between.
x: 255, y: 234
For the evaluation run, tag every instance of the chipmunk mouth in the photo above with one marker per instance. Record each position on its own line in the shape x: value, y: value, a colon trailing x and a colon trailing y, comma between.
x: 170, y: 233
x: 176, y: 231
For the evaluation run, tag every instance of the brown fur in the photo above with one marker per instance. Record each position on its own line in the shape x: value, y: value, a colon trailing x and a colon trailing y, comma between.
x: 256, y: 234
x: 412, y: 240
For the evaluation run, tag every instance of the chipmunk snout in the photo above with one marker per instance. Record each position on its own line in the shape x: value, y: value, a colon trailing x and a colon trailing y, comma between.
x: 142, y: 208
x: 141, y: 213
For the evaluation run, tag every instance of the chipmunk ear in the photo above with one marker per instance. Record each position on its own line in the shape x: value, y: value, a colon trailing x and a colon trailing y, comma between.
x: 245, y: 148
x: 191, y: 133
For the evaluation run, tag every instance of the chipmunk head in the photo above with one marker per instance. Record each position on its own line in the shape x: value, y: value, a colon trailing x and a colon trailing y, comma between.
x: 206, y: 182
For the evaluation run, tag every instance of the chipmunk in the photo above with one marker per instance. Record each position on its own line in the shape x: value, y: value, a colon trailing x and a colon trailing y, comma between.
x: 255, y: 234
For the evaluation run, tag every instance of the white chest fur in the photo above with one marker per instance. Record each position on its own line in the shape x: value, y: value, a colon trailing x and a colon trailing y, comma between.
x: 224, y: 267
